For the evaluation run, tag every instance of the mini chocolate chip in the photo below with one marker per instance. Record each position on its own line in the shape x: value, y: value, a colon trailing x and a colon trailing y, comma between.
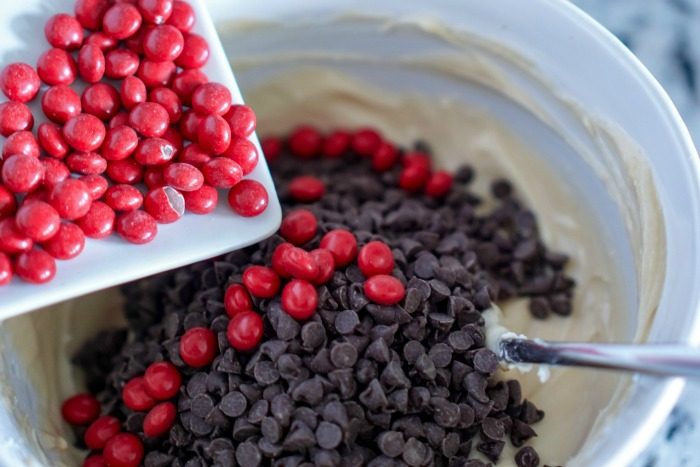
x: 450, y: 445
x: 434, y: 434
x: 258, y: 411
x: 233, y: 404
x: 491, y: 449
x: 366, y: 371
x: 485, y: 361
x: 346, y: 322
x: 343, y: 355
x: 530, y: 413
x: 411, y: 426
x: 274, y: 348
x: 265, y: 373
x: 378, y: 351
x: 441, y: 355
x: 282, y: 408
x: 492, y: 428
x: 412, y: 350
x: 197, y: 384
x: 520, y: 432
x: 344, y: 382
x: 243, y: 429
x: 425, y: 266
x: 289, y: 366
x: 134, y: 422
x: 373, y: 397
x: 271, y: 429
x: 527, y: 457
x: 157, y: 459
x: 313, y: 335
x: 393, y: 376
x: 415, y: 453
x: 390, y: 443
x: 539, y: 308
x: 326, y: 458
x: 446, y: 413
x: 328, y: 435
x: 306, y: 415
x: 299, y: 437
x: 426, y: 367
x: 248, y: 454
x: 309, y: 391
x: 201, y: 405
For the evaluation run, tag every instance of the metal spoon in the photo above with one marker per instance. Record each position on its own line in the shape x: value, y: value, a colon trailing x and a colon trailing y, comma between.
x: 653, y: 359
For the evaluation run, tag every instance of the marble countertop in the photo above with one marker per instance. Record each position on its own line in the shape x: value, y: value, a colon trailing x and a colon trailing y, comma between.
x: 665, y: 35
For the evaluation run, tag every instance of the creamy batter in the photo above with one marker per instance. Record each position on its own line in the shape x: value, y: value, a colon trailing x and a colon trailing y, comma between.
x: 576, y: 401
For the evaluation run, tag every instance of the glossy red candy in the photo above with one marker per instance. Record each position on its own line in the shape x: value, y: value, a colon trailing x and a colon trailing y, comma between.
x: 326, y: 265
x: 183, y: 177
x: 237, y: 299
x: 21, y: 142
x: 55, y: 172
x: 385, y: 157
x: 68, y: 242
x: 439, y: 184
x: 342, y: 245
x: 124, y: 449
x: 37, y: 220
x: 123, y: 198
x: 86, y: 163
x: 120, y: 142
x: 59, y: 103
x: 169, y: 100
x: 132, y: 92
x: 63, y: 31
x: 211, y: 98
x: 299, y: 299
x: 84, y: 132
x: 245, y: 331
x: 35, y: 267
x: 241, y: 119
x: 336, y: 144
x: 277, y: 259
x: 91, y: 63
x: 244, y: 153
x: 19, y: 82
x: 100, y: 431
x: 299, y: 226
x: 162, y: 380
x: 97, y: 185
x: 154, y: 151
x: 298, y: 263
x: 101, y: 100
x: 305, y: 142
x: 221, y: 172
x: 8, y: 202
x: 248, y: 198
x: 185, y: 82
x: 125, y: 171
x: 271, y: 147
x: 95, y: 460
x: 137, y: 227
x: 202, y: 201
x: 135, y: 396
x: 22, y: 173
x: 51, y: 140
x: 101, y: 40
x: 384, y: 290
x: 80, y: 409
x: 214, y: 134
x: 193, y: 154
x: 149, y: 119
x: 156, y: 11
x: 261, y: 281
x: 198, y: 347
x: 90, y: 12
x: 163, y: 43
x: 165, y: 204
x: 71, y: 198
x: 15, y: 116
x: 121, y: 20
x: 154, y: 74
x: 182, y: 16
x: 56, y: 66
x: 306, y: 189
x: 195, y: 52
x: 365, y: 141
x: 12, y: 241
x: 153, y: 177
x: 98, y: 222
x: 159, y: 420
x: 375, y: 258
x: 120, y: 63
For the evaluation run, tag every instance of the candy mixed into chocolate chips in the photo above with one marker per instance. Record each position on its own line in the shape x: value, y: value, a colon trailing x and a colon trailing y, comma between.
x: 360, y: 382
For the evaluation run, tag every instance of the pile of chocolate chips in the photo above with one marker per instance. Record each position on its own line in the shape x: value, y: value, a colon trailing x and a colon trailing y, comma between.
x: 358, y: 384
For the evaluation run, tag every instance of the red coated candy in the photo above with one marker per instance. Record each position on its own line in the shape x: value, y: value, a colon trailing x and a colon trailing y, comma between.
x: 244, y: 153
x: 84, y: 132
x: 277, y: 259
x: 306, y: 189
x: 194, y: 155
x: 156, y: 11
x: 271, y: 147
x: 64, y: 32
x: 154, y: 151
x: 6, y: 270
x: 222, y: 173
x: 132, y: 92
x: 137, y: 227
x: 261, y: 281
x: 385, y: 157
x: 365, y: 141
x: 195, y: 52
x: 19, y: 82
x: 156, y: 74
x: 214, y: 134
x: 439, y: 184
x: 342, y: 245
x: 299, y: 263
x: 91, y: 63
x: 162, y: 380
x: 418, y: 159
x: 15, y: 116
x: 101, y: 40
x: 98, y: 222
x: 185, y: 82
x: 101, y: 100
x: 384, y: 290
x: 96, y: 184
x: 241, y: 119
x: 59, y: 103
x: 124, y: 449
x: 236, y: 300
x: 90, y: 12
x: 336, y: 144
x: 198, y: 347
x: 35, y: 266
x: 125, y: 171
x: 51, y: 140
x: 124, y: 198
x: 86, y: 163
x: 413, y: 177
x: 21, y: 142
x: 174, y: 137
x: 8, y: 202
x: 299, y: 226
x: 13, y: 241
x: 169, y: 100
x: 122, y: 20
x: 159, y: 420
x: 248, y: 198
x: 120, y: 63
x: 149, y: 119
x: 305, y: 142
x: 183, y: 177
x: 211, y: 98
x: 68, y: 242
x: 189, y: 124
x: 153, y: 177
x: 71, y: 198
x: 56, y: 66
x: 182, y: 16
x: 245, y: 330
x: 120, y: 142
x: 95, y: 461
x: 299, y: 299
x: 55, y: 172
x: 80, y: 409
x: 202, y: 201
x: 101, y: 431
x: 163, y: 43
x: 326, y: 265
x: 165, y: 204
x: 375, y: 258
x: 135, y: 396
x: 22, y: 173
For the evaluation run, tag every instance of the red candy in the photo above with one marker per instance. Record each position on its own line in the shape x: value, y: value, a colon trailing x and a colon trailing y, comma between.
x: 299, y: 263
x: 21, y: 142
x: 305, y: 142
x: 413, y: 177
x: 68, y: 242
x: 336, y: 144
x: 132, y: 92
x: 94, y: 461
x: 222, y: 173
x: 194, y: 155
x: 64, y: 32
x: 245, y: 330
x: 91, y: 63
x: 13, y: 241
x: 71, y: 198
x: 163, y: 43
x: 98, y: 222
x: 156, y: 74
x: 55, y: 172
x: 80, y: 409
x: 299, y: 226
x: 183, y: 177
x: 22, y: 173
x: 96, y: 184
x: 189, y: 124
x: 19, y: 82
x: 202, y: 201
x: 154, y: 151
x: 159, y: 420
x: 90, y: 12
x: 122, y: 20
x: 100, y: 431
x: 385, y: 157
x: 8, y: 203
x: 156, y: 11
x: 6, y: 270
x: 299, y: 299
x: 236, y: 300
x: 244, y: 153
x: 153, y: 177
x: 211, y: 98
x: 342, y: 245
x: 198, y: 347
x: 56, y: 66
x: 195, y: 52
x: 185, y: 82
x: 15, y: 116
x: 165, y: 204
x: 38, y: 220
x: 326, y: 265
x: 149, y: 119
x: 101, y: 100
x: 137, y: 227
x: 272, y: 148
x: 248, y: 198
x: 261, y: 281
x: 51, y: 140
x: 59, y: 103
x: 135, y: 396
x: 241, y: 119
x: 173, y: 137
x: 101, y: 40
x: 384, y: 290
x: 182, y: 16
x: 365, y: 141
x: 120, y: 142
x: 35, y: 266
x: 169, y: 100
x: 162, y: 380
x: 84, y: 132
x: 306, y: 189
x: 439, y: 184
x: 124, y: 198
x: 214, y: 134
x: 120, y: 63
x: 124, y: 449
x: 375, y: 258
x: 125, y: 171
x: 86, y: 163
x: 277, y: 259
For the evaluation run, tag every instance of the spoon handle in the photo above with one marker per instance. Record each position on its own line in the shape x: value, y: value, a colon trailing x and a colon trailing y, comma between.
x: 654, y: 359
